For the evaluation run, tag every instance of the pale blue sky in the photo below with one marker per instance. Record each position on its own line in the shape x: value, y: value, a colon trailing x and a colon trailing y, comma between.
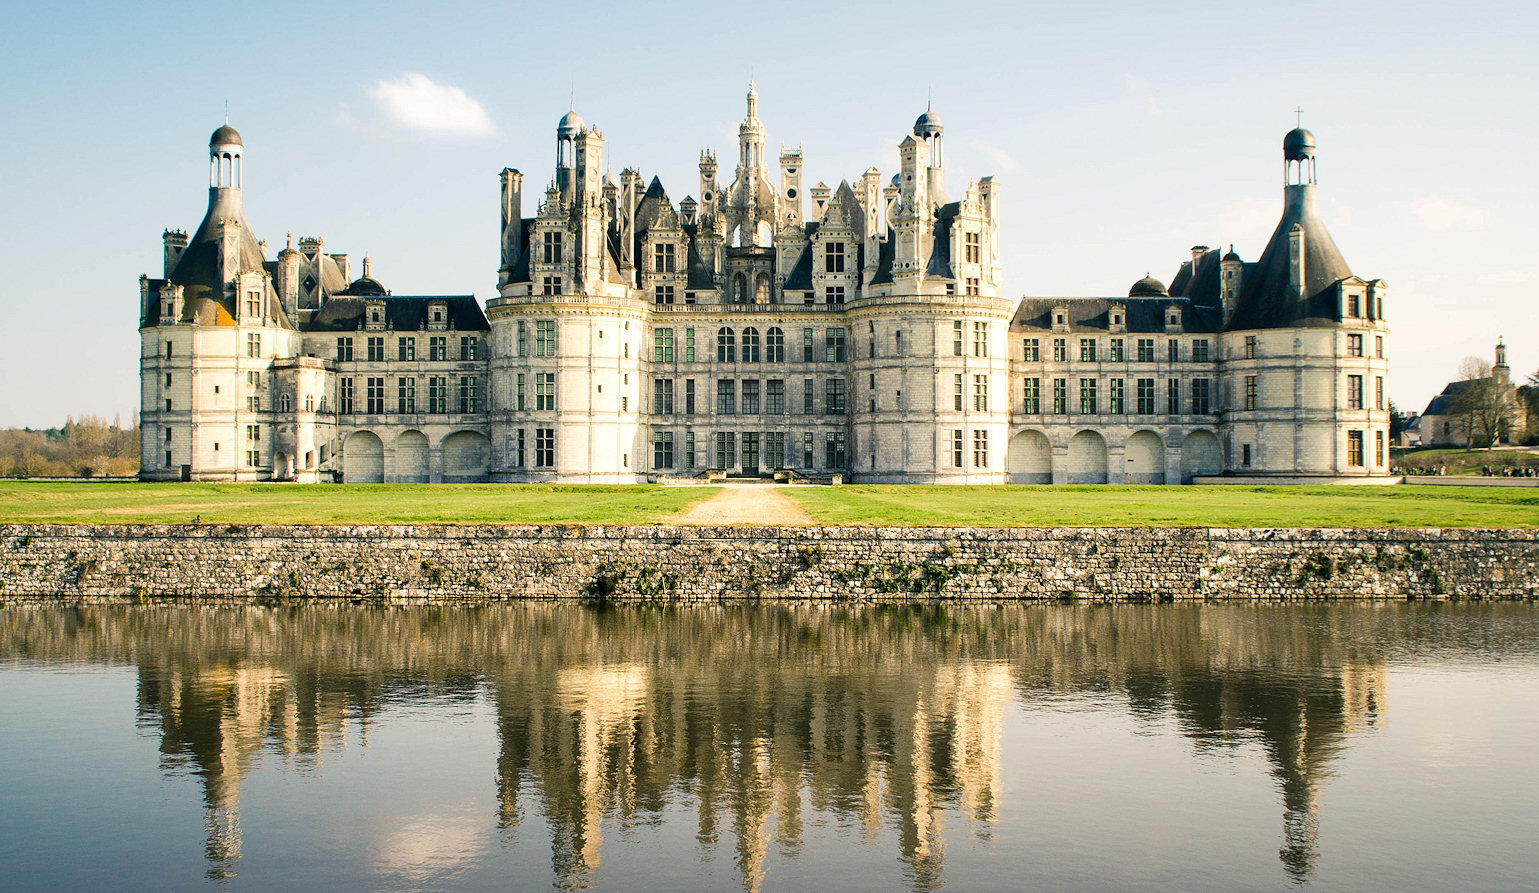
x: 1122, y: 134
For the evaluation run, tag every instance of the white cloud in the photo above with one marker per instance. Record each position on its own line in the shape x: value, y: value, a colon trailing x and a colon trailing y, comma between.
x: 1441, y: 215
x: 999, y: 159
x: 416, y: 102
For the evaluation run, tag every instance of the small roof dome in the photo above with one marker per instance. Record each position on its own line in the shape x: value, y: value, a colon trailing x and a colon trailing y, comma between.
x: 928, y: 125
x: 1299, y: 143
x: 571, y: 124
x: 1148, y: 287
x: 1231, y: 255
x: 225, y: 136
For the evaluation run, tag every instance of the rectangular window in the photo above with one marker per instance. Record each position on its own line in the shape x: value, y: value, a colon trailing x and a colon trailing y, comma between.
x: 406, y: 349
x: 552, y: 246
x: 405, y: 394
x: 833, y: 344
x: 972, y: 249
x: 1173, y: 350
x: 253, y: 458
x: 1032, y: 390
x: 775, y: 450
x: 750, y: 399
x: 1145, y: 396
x: 833, y: 257
x: 1202, y: 403
x: 662, y: 345
x: 518, y: 396
x: 1355, y: 449
x: 775, y: 397
x: 750, y: 451
x: 972, y: 286
x: 689, y: 345
x: 833, y: 294
x: 544, y: 337
x: 807, y: 355
x: 1251, y: 397
x: 1173, y: 396
x: 980, y: 393
x: 833, y: 449
x: 1060, y: 396
x: 1031, y: 350
x: 958, y: 394
x: 833, y: 396
x: 376, y: 347
x: 253, y: 345
x: 1060, y: 350
x: 438, y: 394
x: 344, y: 350
x: 1117, y: 355
x: 545, y: 391
x: 689, y: 396
x: 1354, y: 305
x: 1354, y: 392
x: 1146, y: 350
x: 980, y: 448
x: 520, y: 458
x: 468, y: 347
x: 523, y: 338
x: 1245, y: 455
x: 662, y: 396
x: 726, y: 449
x: 664, y: 260
x: 956, y: 337
x: 1250, y: 347
x: 1087, y: 350
x: 253, y: 432
x: 1200, y: 350
x: 980, y: 339
x: 1378, y: 448
x: 807, y: 402
x: 1354, y: 345
x: 807, y: 449
x: 957, y: 448
x: 726, y: 397
x: 168, y: 356
x: 663, y: 294
x: 468, y: 396
x: 1378, y: 392
x: 662, y: 448
x: 1115, y: 398
x: 1378, y: 346
x: 344, y: 396
x: 689, y: 449
x: 1087, y: 396
x: 438, y: 348
x: 545, y: 447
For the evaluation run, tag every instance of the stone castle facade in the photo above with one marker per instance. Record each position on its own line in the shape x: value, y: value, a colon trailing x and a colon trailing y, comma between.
x: 856, y: 331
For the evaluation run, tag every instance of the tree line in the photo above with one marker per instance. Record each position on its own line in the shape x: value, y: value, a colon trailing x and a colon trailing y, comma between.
x: 89, y: 446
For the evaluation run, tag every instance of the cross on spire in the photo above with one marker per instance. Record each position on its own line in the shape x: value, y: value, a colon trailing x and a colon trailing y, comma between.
x: 1298, y: 117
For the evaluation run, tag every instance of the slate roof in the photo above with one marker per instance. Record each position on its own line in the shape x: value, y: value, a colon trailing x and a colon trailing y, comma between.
x: 199, y: 271
x: 1446, y: 403
x: 403, y: 313
x: 1140, y: 315
x: 1268, y: 299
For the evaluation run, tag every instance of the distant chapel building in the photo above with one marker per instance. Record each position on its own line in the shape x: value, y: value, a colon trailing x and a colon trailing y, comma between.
x: 863, y: 337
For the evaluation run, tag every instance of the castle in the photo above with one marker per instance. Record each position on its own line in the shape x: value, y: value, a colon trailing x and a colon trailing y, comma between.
x: 856, y: 331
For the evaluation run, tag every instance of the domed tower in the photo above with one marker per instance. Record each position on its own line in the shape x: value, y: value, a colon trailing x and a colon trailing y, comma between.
x: 928, y: 128
x: 1303, y: 352
x: 209, y: 333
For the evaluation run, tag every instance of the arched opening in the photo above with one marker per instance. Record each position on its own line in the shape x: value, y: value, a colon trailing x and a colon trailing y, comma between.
x: 1087, y: 458
x: 411, y: 458
x: 1030, y: 459
x: 739, y: 289
x: 467, y: 457
x: 363, y: 459
x: 763, y: 234
x: 1146, y: 458
x: 1200, y: 455
x: 761, y: 292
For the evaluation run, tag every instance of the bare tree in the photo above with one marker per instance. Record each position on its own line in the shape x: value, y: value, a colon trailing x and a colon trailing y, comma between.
x: 1485, y: 403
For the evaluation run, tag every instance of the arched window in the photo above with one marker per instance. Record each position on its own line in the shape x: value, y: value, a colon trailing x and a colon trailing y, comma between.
x: 750, y: 345
x: 739, y: 289
x: 774, y: 345
x: 284, y: 403
x: 726, y: 346
x: 761, y: 293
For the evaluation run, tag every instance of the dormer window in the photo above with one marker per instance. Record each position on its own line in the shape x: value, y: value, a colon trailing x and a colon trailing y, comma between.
x: 438, y: 315
x: 375, y: 315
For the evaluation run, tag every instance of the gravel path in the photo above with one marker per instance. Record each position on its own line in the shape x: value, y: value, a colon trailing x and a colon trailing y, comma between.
x: 751, y: 504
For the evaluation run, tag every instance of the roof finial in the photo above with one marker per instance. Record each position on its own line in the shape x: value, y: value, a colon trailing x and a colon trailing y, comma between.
x: 227, y: 111
x: 1298, y: 117
x: 929, y: 95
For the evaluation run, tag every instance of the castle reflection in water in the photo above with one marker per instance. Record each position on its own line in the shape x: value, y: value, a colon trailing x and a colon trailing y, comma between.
x: 890, y: 718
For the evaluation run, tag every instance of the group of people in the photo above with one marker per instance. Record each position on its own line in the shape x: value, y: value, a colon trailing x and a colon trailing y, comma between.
x: 1507, y: 471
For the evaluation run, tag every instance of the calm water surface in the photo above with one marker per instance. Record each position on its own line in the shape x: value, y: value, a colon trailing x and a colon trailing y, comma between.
x: 1353, y: 747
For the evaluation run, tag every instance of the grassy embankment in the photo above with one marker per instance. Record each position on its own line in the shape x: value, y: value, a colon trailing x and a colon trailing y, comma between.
x: 1222, y: 506
x: 1463, y: 462
x: 135, y: 503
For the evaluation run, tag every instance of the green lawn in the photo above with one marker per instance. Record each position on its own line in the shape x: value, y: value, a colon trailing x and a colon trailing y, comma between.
x: 1216, y: 506
x: 175, y: 503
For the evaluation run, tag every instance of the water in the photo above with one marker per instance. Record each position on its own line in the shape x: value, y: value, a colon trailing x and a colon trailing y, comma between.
x: 1341, y: 747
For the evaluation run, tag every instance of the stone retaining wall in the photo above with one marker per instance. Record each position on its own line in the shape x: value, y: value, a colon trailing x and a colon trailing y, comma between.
x: 412, y: 564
